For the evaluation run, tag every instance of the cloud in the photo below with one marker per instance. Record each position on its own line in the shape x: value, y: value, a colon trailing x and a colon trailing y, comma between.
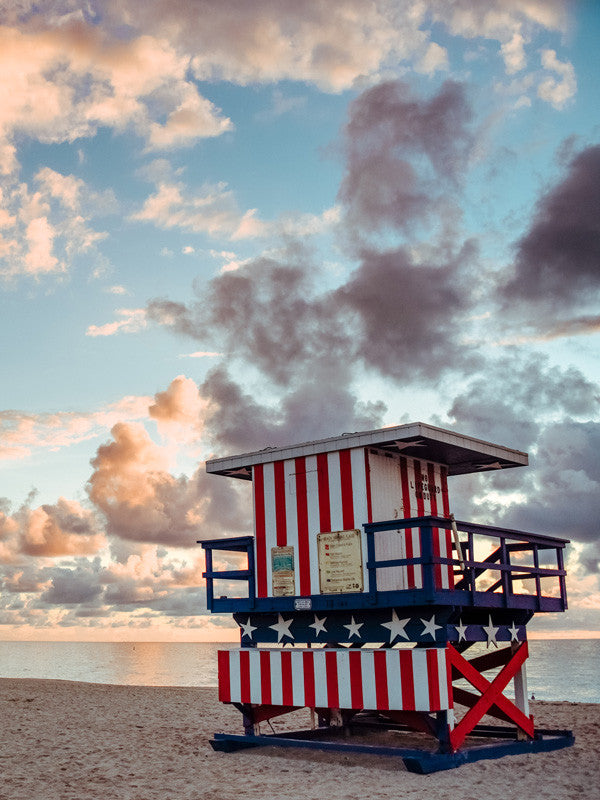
x: 143, y: 502
x: 318, y: 406
x: 555, y: 91
x: 22, y: 433
x: 402, y: 152
x: 212, y: 209
x: 133, y: 320
x: 47, y: 225
x: 64, y: 528
x: 557, y: 259
x: 62, y: 79
x: 179, y: 411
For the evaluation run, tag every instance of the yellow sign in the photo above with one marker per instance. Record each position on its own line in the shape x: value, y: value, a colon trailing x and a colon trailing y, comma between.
x: 340, y: 562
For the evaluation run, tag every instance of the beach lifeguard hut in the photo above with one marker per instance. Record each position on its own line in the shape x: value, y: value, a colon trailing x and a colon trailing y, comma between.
x: 361, y: 597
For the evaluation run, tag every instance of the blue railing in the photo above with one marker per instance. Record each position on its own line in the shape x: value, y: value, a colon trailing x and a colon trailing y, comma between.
x: 469, y: 573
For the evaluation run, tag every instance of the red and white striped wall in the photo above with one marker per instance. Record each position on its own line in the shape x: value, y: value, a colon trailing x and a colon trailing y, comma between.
x: 296, y: 499
x: 386, y: 679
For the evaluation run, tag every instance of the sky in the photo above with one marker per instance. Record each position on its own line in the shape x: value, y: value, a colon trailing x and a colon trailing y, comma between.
x: 229, y: 225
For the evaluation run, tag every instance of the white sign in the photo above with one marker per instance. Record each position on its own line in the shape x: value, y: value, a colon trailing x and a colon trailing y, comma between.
x: 340, y: 562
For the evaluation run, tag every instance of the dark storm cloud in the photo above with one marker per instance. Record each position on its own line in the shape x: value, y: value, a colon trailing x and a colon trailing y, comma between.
x: 558, y: 259
x: 564, y: 499
x: 408, y: 315
x: 72, y: 586
x: 319, y: 407
x: 402, y: 152
x: 505, y: 402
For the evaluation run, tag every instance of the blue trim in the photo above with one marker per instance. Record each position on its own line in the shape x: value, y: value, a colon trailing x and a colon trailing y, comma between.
x: 419, y: 761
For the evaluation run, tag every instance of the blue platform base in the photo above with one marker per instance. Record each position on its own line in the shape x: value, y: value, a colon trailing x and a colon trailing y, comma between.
x: 415, y: 760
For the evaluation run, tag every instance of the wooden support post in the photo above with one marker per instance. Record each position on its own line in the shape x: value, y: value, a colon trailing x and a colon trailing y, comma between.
x: 521, y: 697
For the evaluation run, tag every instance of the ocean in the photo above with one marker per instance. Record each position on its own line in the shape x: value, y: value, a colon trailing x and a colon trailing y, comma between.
x: 556, y: 670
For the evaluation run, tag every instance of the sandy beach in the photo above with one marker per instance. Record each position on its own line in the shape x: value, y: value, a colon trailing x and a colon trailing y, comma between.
x: 78, y: 741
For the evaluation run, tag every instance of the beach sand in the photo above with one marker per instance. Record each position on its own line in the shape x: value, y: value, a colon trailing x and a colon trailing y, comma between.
x: 79, y: 741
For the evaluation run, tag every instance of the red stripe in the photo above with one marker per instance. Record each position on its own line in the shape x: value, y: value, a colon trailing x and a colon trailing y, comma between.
x: 224, y: 676
x: 368, y: 483
x: 286, y: 678
x: 410, y: 569
x: 437, y: 571
x: 449, y: 680
x: 381, y: 690
x: 433, y: 679
x: 280, y: 520
x: 446, y: 513
x: 347, y: 498
x: 260, y: 532
x: 333, y: 700
x: 356, y: 691
x: 406, y: 680
x: 419, y: 488
x: 323, y: 481
x: 302, y: 513
x: 308, y: 663
x: 265, y: 677
x: 245, y: 676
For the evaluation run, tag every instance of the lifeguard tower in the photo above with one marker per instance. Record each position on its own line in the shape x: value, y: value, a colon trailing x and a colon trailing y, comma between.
x: 362, y: 596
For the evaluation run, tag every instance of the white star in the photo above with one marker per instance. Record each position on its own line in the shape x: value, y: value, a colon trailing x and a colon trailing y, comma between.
x: 493, y: 465
x: 247, y: 628
x: 282, y: 627
x: 404, y: 445
x: 353, y: 628
x: 461, y: 630
x: 319, y: 625
x: 491, y: 632
x: 396, y: 626
x: 430, y: 627
x: 514, y: 633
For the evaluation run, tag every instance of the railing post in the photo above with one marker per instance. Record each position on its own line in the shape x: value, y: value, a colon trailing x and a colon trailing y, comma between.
x: 538, y: 584
x: 505, y: 574
x: 252, y: 577
x: 371, y: 570
x: 426, y: 534
x: 561, y: 578
x: 209, y: 580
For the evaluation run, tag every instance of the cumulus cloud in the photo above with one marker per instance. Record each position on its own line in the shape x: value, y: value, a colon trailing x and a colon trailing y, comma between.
x: 557, y: 259
x: 64, y: 528
x: 143, y: 502
x: 46, y: 226
x: 140, y: 84
x: 22, y: 433
x: 132, y: 320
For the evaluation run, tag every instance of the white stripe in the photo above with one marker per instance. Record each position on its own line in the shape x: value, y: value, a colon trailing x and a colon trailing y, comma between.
x: 419, y: 662
x: 276, y: 678
x: 359, y: 500
x: 335, y: 491
x: 368, y: 679
x: 442, y: 677
x: 394, y: 684
x: 416, y: 543
x: 255, y: 686
x: 298, y: 678
x: 291, y: 516
x: 270, y: 528
x: 312, y: 497
x: 320, y: 679
x: 343, y: 675
x: 235, y: 683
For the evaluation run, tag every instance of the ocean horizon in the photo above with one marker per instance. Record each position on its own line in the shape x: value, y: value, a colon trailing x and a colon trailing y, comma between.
x: 557, y: 669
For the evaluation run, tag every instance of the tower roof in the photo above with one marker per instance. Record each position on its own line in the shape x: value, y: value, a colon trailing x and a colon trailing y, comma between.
x: 461, y: 454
